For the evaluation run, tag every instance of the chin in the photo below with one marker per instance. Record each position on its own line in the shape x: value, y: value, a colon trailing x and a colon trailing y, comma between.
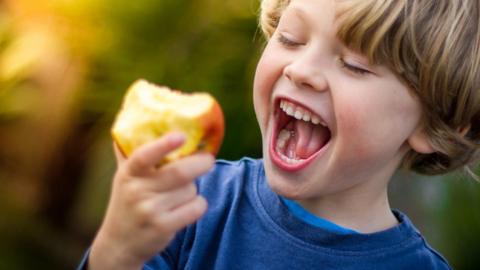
x: 288, y: 186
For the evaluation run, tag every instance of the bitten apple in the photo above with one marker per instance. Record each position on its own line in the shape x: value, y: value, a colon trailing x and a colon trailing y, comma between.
x: 149, y: 111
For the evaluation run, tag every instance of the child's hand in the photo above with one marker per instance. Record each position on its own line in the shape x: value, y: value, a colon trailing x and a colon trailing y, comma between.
x: 148, y: 204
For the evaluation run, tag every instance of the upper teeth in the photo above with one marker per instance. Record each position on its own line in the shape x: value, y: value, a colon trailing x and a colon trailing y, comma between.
x: 301, y: 113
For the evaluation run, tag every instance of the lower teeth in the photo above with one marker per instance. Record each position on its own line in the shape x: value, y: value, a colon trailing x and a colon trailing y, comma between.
x: 289, y: 160
x: 283, y: 137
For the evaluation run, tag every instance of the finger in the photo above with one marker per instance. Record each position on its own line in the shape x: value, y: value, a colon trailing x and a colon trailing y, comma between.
x: 183, y: 171
x: 174, y: 198
x: 144, y: 159
x: 185, y: 214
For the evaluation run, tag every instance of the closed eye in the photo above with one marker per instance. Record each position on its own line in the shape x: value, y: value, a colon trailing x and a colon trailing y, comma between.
x: 354, y: 69
x: 287, y: 42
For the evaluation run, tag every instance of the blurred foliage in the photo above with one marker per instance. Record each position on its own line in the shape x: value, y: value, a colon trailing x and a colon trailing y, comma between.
x: 444, y: 209
x: 64, y: 67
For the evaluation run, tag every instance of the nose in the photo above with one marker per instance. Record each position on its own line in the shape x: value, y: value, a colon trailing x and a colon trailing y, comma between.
x: 306, y: 72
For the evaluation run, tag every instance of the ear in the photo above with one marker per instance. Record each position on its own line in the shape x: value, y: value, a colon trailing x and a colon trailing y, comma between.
x: 420, y: 142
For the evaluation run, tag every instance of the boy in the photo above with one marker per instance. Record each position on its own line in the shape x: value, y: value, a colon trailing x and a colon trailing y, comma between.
x: 345, y: 93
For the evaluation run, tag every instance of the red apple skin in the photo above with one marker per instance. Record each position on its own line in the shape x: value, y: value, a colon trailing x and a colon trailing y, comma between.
x: 214, y: 126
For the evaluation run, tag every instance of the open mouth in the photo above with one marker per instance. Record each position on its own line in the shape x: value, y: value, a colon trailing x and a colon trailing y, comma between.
x: 299, y: 135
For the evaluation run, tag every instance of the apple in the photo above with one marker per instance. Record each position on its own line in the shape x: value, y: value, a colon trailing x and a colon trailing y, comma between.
x: 149, y: 111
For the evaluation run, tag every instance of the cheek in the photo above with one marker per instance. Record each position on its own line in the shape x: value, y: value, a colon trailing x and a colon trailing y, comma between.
x: 267, y: 73
x: 362, y: 148
x: 375, y: 131
x: 354, y: 133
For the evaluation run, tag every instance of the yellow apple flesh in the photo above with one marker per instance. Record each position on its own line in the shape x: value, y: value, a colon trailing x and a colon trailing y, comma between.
x: 150, y: 111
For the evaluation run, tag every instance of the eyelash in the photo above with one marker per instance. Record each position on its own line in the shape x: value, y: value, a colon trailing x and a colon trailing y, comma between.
x: 290, y: 43
x: 353, y: 69
x: 287, y: 42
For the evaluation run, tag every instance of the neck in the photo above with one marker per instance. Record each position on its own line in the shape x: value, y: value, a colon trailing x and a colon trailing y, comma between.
x: 363, y: 207
x: 359, y: 209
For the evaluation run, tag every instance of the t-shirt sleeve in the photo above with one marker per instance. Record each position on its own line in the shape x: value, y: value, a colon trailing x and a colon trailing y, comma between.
x: 157, y: 262
x: 83, y: 263
x: 166, y: 260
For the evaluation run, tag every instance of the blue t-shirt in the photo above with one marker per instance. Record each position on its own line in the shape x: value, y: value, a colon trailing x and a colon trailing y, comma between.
x: 248, y: 226
x: 301, y: 213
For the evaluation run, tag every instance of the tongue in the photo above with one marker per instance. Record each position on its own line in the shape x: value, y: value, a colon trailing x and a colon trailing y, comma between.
x: 310, y: 138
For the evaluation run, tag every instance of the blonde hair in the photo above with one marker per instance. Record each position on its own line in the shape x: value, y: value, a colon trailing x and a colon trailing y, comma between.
x: 434, y: 47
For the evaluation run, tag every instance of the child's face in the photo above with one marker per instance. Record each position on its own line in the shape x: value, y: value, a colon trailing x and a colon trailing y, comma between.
x: 370, y: 114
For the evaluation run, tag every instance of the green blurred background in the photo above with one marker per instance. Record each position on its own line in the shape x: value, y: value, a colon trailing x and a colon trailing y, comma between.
x: 64, y: 67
